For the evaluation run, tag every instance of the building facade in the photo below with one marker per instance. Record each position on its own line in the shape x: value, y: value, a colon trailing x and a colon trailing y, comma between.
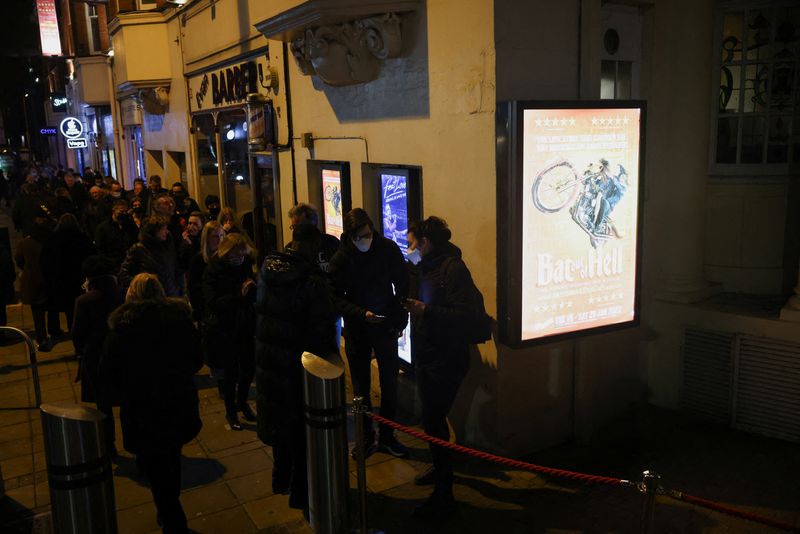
x: 357, y: 87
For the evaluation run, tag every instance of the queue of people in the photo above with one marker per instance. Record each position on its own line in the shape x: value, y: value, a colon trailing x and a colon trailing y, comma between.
x: 169, y: 287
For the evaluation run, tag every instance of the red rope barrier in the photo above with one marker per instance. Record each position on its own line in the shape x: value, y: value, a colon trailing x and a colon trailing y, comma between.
x: 582, y: 477
x: 591, y: 479
x: 725, y: 509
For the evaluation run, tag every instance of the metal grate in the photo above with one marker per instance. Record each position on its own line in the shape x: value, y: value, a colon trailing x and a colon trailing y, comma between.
x: 767, y: 395
x: 707, y: 368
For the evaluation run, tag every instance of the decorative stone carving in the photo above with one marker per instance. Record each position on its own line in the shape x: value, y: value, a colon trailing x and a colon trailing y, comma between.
x: 155, y: 100
x: 349, y: 53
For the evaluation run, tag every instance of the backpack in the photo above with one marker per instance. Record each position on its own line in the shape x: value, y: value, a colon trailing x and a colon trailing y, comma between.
x: 479, y: 326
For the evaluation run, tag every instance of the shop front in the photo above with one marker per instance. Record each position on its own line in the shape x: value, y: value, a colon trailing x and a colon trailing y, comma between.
x: 219, y: 127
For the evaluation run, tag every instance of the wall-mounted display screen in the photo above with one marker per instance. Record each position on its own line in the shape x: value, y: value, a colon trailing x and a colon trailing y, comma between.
x: 574, y: 184
x: 332, y: 201
x: 394, y: 207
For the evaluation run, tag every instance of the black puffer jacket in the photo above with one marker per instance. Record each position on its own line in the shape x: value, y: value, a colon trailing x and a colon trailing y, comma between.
x: 150, y: 256
x: 151, y: 353
x: 295, y: 310
x: 444, y: 286
x: 364, y: 281
x: 229, y: 318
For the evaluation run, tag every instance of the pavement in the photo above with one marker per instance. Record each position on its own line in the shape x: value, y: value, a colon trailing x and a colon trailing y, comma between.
x: 227, y: 474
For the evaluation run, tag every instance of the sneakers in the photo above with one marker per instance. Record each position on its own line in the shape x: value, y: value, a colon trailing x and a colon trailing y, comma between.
x: 247, y: 412
x: 391, y: 446
x: 233, y: 421
x: 44, y: 346
x: 426, y: 478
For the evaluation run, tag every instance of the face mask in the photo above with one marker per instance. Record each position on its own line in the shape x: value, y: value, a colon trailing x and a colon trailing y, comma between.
x: 116, y: 194
x: 139, y: 210
x: 363, y: 244
x: 214, y: 212
x: 414, y: 256
x: 236, y: 261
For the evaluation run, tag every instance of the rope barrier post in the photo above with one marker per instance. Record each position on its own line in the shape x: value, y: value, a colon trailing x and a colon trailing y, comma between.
x: 78, y: 469
x: 359, y: 414
x: 326, y: 436
x: 651, y: 481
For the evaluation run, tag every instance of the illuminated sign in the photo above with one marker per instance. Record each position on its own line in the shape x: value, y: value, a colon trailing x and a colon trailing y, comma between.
x: 59, y: 103
x: 394, y: 208
x: 332, y: 202
x: 77, y: 143
x: 71, y: 128
x: 228, y: 86
x: 48, y: 131
x: 394, y: 211
x: 576, y: 231
x: 48, y: 27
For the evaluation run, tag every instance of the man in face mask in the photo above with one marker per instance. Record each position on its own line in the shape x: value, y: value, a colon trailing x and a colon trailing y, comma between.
x: 117, y: 192
x: 371, y: 281
x: 116, y: 235
x: 213, y: 207
x: 184, y: 204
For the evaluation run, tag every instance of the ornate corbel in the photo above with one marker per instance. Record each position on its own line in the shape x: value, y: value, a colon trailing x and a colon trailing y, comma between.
x: 349, y: 53
x: 155, y: 100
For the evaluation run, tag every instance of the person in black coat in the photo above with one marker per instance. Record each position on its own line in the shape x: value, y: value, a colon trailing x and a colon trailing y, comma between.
x: 155, y: 254
x: 295, y: 314
x: 439, y: 312
x: 61, y: 260
x: 210, y: 238
x: 96, y: 211
x: 89, y: 329
x: 151, y: 354
x: 229, y: 321
x: 371, y: 280
x: 115, y: 236
x: 8, y: 275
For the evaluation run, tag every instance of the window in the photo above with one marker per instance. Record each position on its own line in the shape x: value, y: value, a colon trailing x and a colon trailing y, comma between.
x: 94, y: 28
x: 757, y: 119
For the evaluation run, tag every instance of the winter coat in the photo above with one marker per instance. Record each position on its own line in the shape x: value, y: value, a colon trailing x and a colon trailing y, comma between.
x: 150, y: 355
x: 113, y: 239
x: 296, y: 313
x: 32, y: 281
x: 194, y: 285
x: 95, y: 212
x: 444, y: 286
x: 365, y: 281
x: 62, y: 256
x: 229, y: 318
x: 8, y: 275
x: 89, y: 329
x: 150, y: 256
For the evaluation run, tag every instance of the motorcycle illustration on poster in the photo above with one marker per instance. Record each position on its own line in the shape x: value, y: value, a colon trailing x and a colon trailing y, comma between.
x: 580, y: 214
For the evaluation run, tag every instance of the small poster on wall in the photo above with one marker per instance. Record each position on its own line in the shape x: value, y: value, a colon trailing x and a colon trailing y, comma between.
x: 332, y: 202
x: 394, y: 202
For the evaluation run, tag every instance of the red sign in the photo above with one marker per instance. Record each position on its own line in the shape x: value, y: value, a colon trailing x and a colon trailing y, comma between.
x: 48, y: 27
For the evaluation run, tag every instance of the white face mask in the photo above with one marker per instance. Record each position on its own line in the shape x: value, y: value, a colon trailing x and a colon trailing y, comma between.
x: 414, y: 256
x: 363, y: 244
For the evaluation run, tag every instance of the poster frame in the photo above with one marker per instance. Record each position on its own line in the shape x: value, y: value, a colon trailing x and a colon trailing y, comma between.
x: 509, y: 127
x: 315, y: 192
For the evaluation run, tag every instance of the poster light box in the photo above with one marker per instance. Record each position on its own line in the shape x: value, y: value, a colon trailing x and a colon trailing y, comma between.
x: 569, y: 218
x: 329, y: 190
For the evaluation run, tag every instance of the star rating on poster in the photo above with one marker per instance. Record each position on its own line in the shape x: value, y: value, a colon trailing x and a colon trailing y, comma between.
x: 541, y: 308
x: 609, y: 121
x: 555, y: 122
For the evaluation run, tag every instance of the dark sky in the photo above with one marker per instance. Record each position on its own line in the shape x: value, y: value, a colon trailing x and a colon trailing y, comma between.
x: 19, y: 52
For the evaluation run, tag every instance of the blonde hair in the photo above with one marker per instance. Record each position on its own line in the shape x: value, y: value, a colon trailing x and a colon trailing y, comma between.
x: 145, y: 286
x: 234, y: 241
x: 210, y: 228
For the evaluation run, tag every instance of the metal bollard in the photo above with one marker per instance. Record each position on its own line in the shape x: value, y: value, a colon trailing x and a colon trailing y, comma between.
x: 359, y: 409
x: 78, y: 469
x: 651, y: 481
x: 326, y: 438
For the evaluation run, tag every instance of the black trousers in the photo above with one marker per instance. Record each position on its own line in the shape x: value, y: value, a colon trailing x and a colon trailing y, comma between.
x: 359, y: 345
x: 438, y: 385
x: 163, y: 468
x: 240, y: 368
x: 52, y: 325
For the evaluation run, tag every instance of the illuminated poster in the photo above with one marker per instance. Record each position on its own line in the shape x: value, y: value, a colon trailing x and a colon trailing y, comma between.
x: 394, y: 202
x: 332, y: 202
x: 580, y: 202
x: 48, y: 27
x: 394, y: 212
